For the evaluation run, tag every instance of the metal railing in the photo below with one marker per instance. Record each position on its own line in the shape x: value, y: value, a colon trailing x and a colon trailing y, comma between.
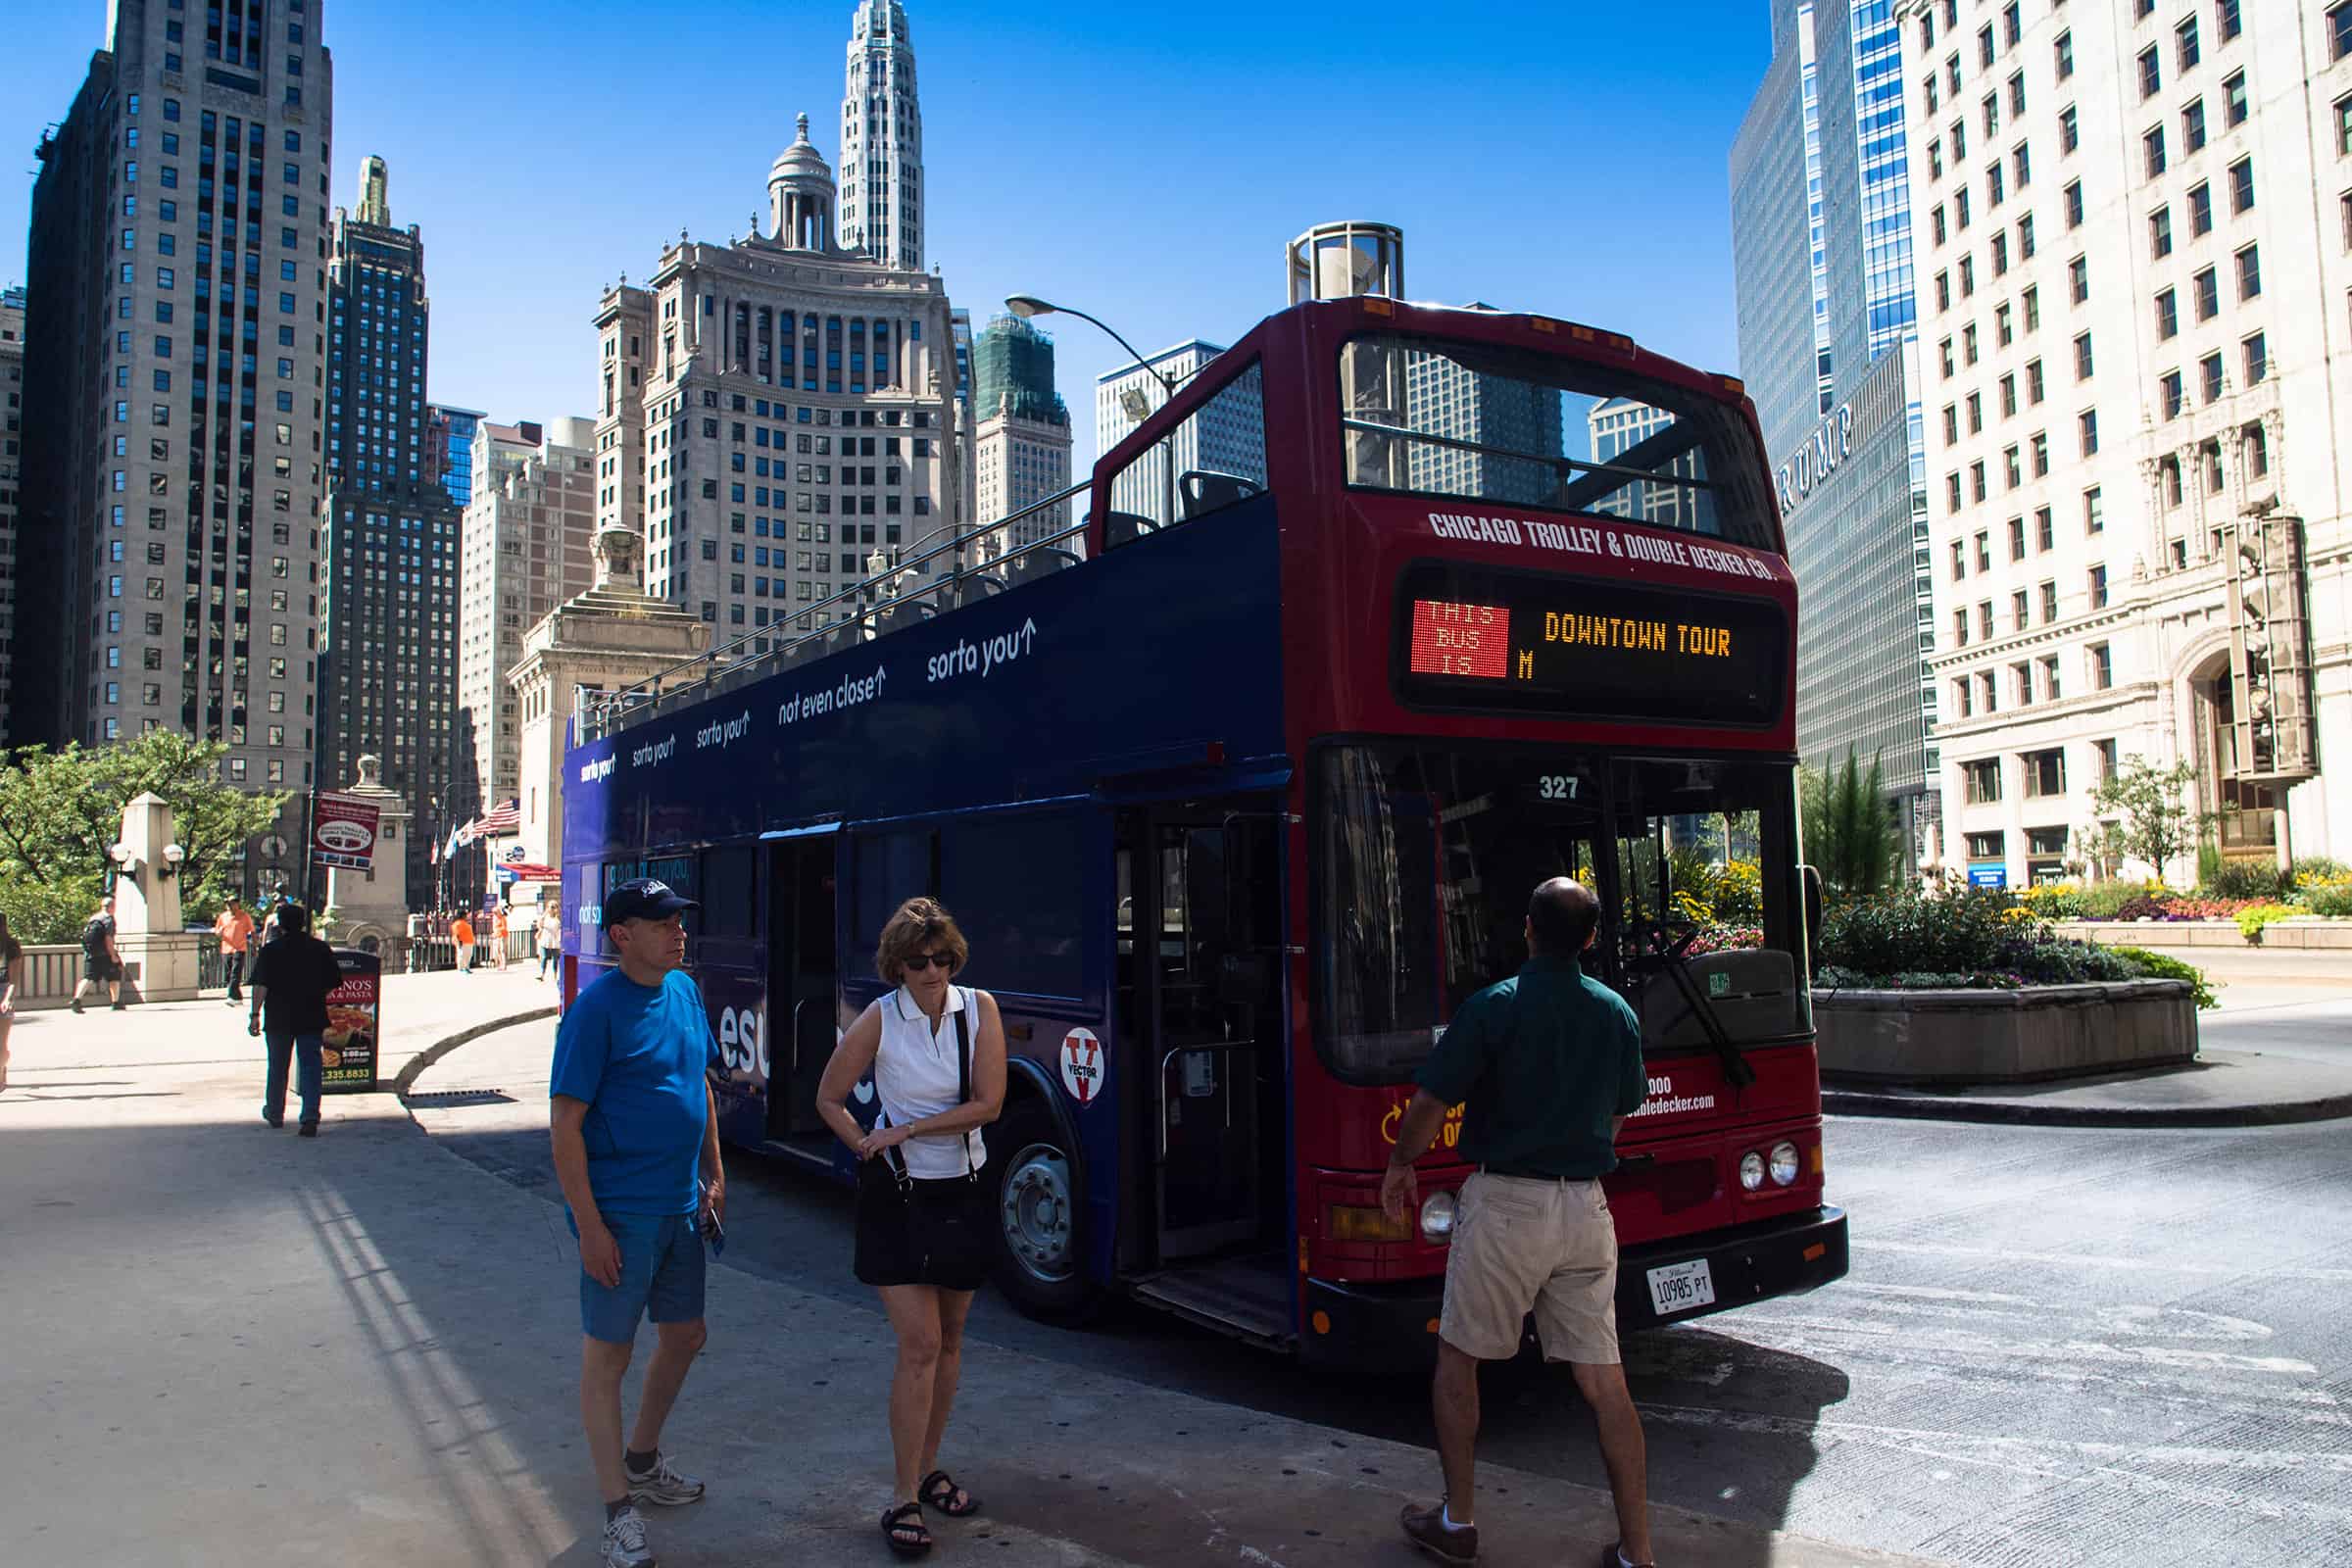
x: 692, y: 679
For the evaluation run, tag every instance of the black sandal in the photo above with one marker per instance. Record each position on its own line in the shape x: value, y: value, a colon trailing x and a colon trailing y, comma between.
x: 907, y: 1535
x: 940, y: 1490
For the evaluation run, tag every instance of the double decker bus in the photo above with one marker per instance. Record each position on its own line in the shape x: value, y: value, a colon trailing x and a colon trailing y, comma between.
x: 1239, y: 786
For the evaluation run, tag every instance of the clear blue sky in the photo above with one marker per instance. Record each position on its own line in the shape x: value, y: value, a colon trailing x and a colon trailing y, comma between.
x: 1144, y: 161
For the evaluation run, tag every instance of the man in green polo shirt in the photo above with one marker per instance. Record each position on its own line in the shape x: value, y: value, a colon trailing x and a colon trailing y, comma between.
x: 1548, y: 1066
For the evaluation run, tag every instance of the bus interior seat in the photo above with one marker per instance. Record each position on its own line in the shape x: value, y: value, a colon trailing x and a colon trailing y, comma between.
x: 1125, y: 528
x: 976, y: 586
x: 1753, y: 991
x: 899, y: 616
x: 1038, y: 561
x: 1206, y: 490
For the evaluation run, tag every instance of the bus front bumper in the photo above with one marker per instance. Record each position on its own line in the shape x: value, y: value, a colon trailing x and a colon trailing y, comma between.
x: 1371, y: 1323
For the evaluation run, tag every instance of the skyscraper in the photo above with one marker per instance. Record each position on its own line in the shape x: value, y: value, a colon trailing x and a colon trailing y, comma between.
x: 528, y: 546
x: 2135, y: 285
x: 449, y: 448
x: 175, y: 391
x: 388, y: 565
x: 1021, y: 434
x: 773, y: 411
x: 1820, y: 233
x: 12, y: 442
x: 882, y: 140
x: 1227, y: 435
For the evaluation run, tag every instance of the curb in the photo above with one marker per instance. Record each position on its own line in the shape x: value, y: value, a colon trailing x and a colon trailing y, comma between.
x: 2025, y: 1113
x: 407, y: 1080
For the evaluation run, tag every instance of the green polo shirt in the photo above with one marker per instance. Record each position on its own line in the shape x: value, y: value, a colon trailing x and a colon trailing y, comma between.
x: 1544, y: 1062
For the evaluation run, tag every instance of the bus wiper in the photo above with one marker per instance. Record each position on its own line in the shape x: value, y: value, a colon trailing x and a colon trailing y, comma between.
x: 1675, y: 963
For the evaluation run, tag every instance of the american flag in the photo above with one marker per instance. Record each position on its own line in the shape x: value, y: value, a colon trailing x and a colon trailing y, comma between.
x: 500, y: 821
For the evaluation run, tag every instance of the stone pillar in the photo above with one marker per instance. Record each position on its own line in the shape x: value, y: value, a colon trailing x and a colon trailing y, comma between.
x: 371, y: 907
x: 158, y: 959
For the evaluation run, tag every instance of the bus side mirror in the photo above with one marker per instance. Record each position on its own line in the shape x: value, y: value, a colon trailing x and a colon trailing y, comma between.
x: 1811, y: 876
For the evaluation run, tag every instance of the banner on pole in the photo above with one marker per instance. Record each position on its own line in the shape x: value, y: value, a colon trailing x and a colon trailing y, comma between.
x: 344, y: 832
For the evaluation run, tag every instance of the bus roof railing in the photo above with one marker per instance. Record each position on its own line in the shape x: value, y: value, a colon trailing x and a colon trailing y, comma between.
x: 724, y: 666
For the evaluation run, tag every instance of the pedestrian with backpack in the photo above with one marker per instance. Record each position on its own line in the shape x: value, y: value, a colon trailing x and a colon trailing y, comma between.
x: 101, y: 960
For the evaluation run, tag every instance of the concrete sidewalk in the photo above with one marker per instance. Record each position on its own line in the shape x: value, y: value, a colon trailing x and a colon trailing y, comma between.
x: 361, y: 1350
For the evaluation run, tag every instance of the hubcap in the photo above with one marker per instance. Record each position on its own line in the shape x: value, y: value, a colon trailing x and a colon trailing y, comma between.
x: 1037, y: 1212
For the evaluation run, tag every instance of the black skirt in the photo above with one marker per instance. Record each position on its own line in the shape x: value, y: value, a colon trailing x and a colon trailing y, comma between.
x: 927, y: 1232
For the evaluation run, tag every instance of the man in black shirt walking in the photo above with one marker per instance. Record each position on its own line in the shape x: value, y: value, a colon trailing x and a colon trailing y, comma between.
x: 291, y: 981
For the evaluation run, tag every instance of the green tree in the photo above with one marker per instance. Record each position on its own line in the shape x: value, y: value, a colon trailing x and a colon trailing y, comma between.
x: 2148, y: 809
x: 61, y: 812
x: 1852, y: 832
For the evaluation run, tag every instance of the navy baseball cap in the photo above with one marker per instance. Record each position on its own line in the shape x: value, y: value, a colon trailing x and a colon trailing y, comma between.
x: 643, y: 900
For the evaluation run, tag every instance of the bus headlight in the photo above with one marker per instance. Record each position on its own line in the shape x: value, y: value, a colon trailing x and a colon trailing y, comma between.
x: 1437, y: 1218
x: 1752, y: 1170
x: 1784, y: 1164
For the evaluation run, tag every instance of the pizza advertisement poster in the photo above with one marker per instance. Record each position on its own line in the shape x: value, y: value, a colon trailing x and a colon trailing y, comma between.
x: 353, y: 1027
x: 343, y: 832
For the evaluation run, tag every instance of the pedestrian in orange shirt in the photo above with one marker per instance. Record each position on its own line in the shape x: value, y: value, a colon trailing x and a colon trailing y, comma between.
x: 461, y: 932
x: 234, y: 928
x: 498, y: 938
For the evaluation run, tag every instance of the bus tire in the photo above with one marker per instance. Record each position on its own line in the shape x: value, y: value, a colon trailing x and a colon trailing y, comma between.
x: 1039, y: 1262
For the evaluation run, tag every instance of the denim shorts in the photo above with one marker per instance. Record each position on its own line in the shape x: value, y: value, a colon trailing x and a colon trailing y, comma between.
x: 660, y: 1277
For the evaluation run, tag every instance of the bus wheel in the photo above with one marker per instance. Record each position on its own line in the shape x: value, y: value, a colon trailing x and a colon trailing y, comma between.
x: 1038, y: 1199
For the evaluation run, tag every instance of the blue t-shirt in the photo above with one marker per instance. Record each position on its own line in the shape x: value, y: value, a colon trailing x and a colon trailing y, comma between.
x: 636, y: 1054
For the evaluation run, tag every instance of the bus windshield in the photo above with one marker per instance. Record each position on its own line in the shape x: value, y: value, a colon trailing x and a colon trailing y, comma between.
x: 1476, y: 423
x: 1426, y: 858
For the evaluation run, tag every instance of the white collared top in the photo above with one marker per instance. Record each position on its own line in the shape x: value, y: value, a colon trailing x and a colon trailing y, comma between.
x: 916, y: 1075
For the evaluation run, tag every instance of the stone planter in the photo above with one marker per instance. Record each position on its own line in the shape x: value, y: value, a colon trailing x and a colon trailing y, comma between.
x: 1997, y: 1037
x: 2301, y: 931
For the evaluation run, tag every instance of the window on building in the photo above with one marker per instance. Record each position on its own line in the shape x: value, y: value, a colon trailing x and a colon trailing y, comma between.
x: 2078, y: 278
x: 2241, y: 185
x: 2087, y: 431
x: 2094, y: 512
x: 2017, y: 539
x: 1983, y: 779
x: 2151, y: 72
x: 2170, y: 395
x: 2102, y: 667
x: 2098, y: 587
x: 2063, y: 47
x: 2185, y: 50
x: 2070, y: 130
x: 2020, y: 611
x: 2209, y: 376
x: 2249, y: 272
x: 2085, y: 362
x: 2033, y: 381
x: 2072, y: 196
x: 2192, y: 127
x: 2159, y: 234
x: 2049, y: 603
x: 2257, y: 360
x: 2168, y: 316
x: 2234, y: 106
x: 2255, y: 452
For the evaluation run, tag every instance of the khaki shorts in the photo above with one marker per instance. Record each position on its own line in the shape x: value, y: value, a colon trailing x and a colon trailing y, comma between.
x: 1520, y: 1245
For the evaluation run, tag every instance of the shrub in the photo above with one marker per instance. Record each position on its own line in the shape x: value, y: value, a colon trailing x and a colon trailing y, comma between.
x: 2164, y: 966
x: 2066, y: 963
x: 2101, y: 900
x: 2330, y: 899
x: 2242, y: 879
x: 2144, y: 906
x: 2252, y: 919
x: 1958, y: 932
x: 2318, y: 871
x: 2055, y: 901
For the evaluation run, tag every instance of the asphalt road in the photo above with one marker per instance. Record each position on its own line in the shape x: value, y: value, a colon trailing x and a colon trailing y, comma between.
x: 2058, y: 1345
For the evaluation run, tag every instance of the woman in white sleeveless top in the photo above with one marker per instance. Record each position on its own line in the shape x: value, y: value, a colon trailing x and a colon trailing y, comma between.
x: 925, y: 1206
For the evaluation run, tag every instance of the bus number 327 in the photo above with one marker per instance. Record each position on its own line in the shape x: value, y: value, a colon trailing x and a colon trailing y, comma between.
x: 1558, y: 786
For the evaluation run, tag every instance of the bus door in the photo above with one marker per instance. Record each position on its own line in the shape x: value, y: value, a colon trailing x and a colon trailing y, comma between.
x: 803, y: 972
x: 1211, y: 993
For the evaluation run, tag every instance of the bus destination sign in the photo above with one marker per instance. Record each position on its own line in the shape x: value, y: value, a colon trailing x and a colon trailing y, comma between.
x: 1483, y: 638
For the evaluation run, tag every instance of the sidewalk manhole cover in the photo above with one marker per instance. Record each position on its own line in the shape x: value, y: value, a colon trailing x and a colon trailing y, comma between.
x: 449, y: 1098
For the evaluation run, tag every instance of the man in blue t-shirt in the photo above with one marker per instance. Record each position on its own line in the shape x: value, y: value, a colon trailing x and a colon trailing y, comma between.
x: 636, y: 1148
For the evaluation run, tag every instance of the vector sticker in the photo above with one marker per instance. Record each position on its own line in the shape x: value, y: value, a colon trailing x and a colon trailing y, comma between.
x: 1082, y: 1065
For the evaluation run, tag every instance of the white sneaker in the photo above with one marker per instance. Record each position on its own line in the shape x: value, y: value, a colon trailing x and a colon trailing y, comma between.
x: 624, y: 1541
x: 662, y: 1485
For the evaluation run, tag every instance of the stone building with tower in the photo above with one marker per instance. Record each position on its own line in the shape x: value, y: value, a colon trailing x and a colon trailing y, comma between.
x: 774, y: 409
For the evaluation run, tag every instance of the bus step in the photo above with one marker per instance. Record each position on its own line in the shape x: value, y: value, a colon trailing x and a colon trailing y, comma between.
x: 1239, y: 1296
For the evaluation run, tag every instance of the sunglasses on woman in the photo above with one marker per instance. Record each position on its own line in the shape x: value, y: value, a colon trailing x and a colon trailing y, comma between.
x: 926, y: 961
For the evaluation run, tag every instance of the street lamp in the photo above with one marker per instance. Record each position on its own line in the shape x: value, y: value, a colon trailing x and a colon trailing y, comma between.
x: 1131, y: 399
x: 1026, y: 305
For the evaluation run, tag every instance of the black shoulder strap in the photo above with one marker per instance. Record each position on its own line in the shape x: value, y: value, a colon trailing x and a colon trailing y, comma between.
x: 964, y: 1072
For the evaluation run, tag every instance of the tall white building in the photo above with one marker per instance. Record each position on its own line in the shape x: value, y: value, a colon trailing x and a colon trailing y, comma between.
x: 882, y: 140
x: 1021, y: 435
x: 2134, y: 244
x: 1227, y: 435
x: 774, y: 411
x: 527, y: 545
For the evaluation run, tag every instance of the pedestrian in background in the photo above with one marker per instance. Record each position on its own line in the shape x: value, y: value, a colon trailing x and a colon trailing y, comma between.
x: 234, y: 928
x: 551, y: 937
x: 924, y: 1211
x: 1547, y: 1065
x: 12, y: 979
x: 634, y: 1127
x: 461, y: 936
x: 291, y: 978
x: 499, y: 930
x: 101, y: 960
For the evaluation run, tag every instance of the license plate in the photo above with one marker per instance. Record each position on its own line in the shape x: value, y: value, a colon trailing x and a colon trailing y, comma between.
x: 1682, y: 1286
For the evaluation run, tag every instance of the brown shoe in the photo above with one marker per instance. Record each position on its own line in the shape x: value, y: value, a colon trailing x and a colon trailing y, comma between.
x: 1426, y: 1528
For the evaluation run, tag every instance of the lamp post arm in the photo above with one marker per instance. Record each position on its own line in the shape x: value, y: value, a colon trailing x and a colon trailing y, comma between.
x: 1159, y: 375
